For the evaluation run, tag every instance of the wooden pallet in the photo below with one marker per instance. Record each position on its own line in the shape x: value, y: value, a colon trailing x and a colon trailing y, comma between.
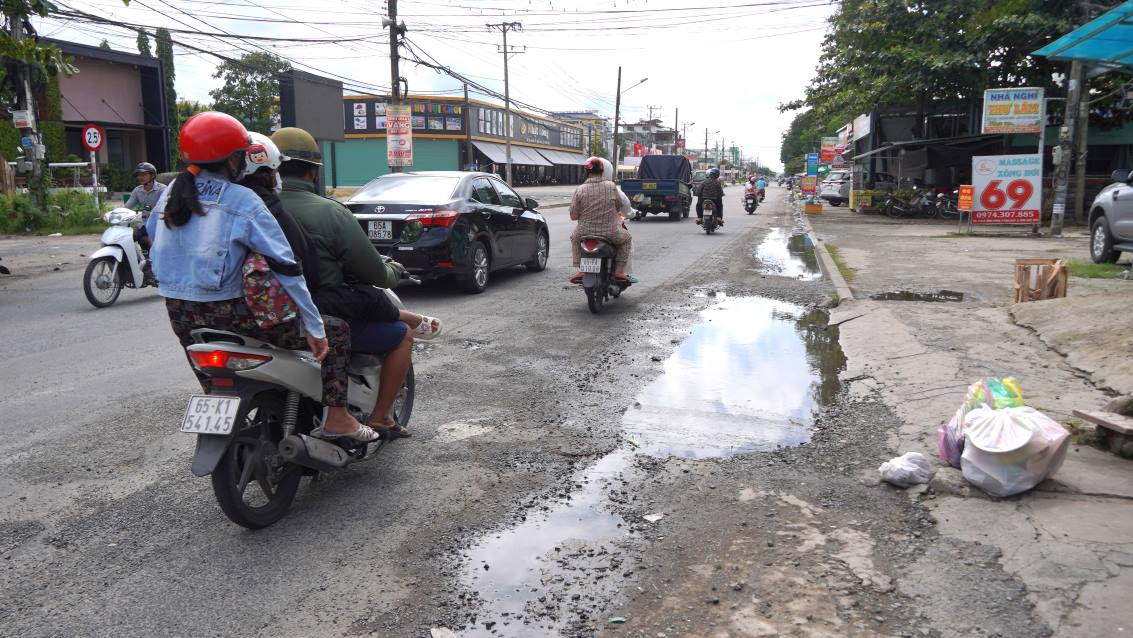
x: 1037, y: 279
x: 1111, y: 421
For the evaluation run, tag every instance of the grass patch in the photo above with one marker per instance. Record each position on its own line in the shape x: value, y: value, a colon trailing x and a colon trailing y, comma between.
x: 847, y: 272
x: 1090, y: 270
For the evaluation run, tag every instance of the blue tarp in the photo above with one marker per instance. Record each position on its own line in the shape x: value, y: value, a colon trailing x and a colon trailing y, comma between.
x: 1105, y: 40
x: 665, y: 167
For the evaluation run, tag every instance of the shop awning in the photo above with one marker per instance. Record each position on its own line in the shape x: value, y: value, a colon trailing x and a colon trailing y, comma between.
x: 1105, y: 40
x: 563, y: 158
x: 495, y: 152
x: 519, y: 154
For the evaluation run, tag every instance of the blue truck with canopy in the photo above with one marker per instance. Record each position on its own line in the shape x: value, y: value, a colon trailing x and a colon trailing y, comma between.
x: 663, y: 185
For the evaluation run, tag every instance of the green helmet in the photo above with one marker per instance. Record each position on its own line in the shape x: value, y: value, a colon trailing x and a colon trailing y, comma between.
x: 298, y: 144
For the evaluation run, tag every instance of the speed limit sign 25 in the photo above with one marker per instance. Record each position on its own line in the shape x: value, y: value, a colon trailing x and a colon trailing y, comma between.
x: 93, y: 137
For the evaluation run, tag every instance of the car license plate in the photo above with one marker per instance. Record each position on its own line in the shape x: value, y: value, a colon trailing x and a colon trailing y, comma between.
x: 210, y: 415
x: 381, y: 230
x: 590, y: 264
x: 649, y: 186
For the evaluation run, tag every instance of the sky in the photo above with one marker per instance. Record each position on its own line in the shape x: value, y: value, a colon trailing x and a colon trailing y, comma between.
x: 724, y: 64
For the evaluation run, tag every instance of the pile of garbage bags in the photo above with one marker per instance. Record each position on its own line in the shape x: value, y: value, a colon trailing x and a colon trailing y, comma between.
x: 1002, y: 446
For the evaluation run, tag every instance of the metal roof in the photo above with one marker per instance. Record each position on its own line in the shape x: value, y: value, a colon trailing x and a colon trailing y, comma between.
x: 1107, y: 39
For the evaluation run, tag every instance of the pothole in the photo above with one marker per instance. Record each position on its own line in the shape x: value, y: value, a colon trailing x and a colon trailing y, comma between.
x: 908, y: 295
x: 749, y: 378
x: 788, y: 254
x: 535, y: 578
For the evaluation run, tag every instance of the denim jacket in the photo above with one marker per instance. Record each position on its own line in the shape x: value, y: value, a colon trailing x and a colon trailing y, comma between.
x: 203, y: 259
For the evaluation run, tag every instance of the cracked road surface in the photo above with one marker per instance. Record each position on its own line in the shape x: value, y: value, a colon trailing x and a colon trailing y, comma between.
x: 519, y: 507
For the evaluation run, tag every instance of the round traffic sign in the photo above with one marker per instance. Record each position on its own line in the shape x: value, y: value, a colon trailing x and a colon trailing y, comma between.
x: 93, y: 137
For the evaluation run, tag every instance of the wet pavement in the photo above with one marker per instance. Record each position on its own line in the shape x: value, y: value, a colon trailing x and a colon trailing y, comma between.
x: 748, y: 378
x: 788, y: 253
x: 907, y: 295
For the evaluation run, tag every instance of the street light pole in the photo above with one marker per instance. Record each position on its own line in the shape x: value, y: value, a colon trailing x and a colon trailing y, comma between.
x: 505, y: 27
x: 617, y: 114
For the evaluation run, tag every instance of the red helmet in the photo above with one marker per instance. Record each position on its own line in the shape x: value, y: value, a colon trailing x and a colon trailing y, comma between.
x: 212, y: 136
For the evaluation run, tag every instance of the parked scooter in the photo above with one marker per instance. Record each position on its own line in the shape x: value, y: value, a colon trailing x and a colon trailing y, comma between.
x: 119, y: 263
x: 751, y: 199
x: 255, y: 425
x: 597, y: 267
x: 709, y: 220
x: 921, y: 204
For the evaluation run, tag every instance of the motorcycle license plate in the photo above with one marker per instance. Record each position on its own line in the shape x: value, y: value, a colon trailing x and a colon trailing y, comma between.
x: 381, y: 230
x: 210, y: 415
x: 590, y: 264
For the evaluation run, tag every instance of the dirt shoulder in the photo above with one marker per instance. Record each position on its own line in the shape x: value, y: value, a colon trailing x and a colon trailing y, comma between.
x: 1066, y: 540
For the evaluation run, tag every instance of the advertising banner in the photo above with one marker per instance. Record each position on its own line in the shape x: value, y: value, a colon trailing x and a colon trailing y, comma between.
x: 826, y: 151
x: 812, y: 163
x: 810, y: 185
x: 965, y: 197
x: 399, y: 135
x: 861, y: 127
x: 1013, y: 111
x: 1007, y: 189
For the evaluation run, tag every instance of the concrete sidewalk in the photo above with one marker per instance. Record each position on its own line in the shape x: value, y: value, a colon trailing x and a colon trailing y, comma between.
x: 1068, y: 541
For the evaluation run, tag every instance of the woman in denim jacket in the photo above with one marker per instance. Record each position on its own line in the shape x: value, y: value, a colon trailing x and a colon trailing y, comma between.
x: 203, y: 227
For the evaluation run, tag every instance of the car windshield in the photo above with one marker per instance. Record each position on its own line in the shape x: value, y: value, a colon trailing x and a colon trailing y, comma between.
x: 408, y: 188
x: 838, y: 175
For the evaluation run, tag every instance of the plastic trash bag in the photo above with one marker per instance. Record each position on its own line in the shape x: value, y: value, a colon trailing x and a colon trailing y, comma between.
x: 1011, y: 450
x: 911, y: 468
x: 991, y: 392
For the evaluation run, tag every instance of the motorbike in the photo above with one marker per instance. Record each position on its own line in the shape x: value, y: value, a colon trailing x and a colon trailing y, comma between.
x: 921, y: 204
x: 119, y: 263
x: 597, y: 267
x: 946, y: 205
x: 257, y: 425
x: 709, y: 219
x: 751, y: 200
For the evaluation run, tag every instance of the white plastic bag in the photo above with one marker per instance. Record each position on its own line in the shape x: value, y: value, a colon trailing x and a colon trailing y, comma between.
x: 1011, y: 450
x: 907, y: 470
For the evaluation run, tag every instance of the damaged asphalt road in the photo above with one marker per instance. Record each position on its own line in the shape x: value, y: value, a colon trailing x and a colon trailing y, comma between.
x: 542, y: 442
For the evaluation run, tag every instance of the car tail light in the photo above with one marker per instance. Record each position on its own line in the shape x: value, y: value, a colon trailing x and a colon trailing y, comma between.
x: 590, y: 245
x: 224, y: 360
x: 440, y: 218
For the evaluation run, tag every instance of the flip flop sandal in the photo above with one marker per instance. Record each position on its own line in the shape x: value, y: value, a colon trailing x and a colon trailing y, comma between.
x: 425, y: 329
x: 392, y: 432
x: 364, y: 434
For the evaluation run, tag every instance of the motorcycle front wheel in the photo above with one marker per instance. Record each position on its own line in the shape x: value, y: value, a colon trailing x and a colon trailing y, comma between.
x: 253, y: 485
x: 893, y: 210
x: 102, y: 282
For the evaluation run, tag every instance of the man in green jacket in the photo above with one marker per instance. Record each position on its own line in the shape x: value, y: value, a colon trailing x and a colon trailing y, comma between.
x: 346, y: 255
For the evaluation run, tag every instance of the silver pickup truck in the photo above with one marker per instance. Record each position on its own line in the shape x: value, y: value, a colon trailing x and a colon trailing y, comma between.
x: 1111, y: 219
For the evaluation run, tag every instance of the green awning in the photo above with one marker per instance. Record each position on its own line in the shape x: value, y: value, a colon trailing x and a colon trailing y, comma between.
x: 1107, y: 40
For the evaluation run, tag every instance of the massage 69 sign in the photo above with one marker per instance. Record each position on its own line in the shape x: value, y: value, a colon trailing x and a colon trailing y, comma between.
x: 1008, y: 189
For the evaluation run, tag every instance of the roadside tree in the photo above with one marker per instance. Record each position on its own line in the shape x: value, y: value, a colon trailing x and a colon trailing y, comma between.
x: 251, y: 89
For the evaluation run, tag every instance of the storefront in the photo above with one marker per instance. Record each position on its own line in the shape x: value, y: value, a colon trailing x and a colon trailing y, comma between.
x: 451, y: 134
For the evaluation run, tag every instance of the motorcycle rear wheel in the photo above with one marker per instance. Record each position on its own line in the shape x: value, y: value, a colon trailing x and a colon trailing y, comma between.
x: 594, y: 299
x: 100, y: 286
x: 253, y: 485
x: 893, y: 210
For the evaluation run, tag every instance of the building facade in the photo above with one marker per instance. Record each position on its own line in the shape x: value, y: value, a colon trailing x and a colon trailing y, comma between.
x: 454, y: 134
x: 124, y: 94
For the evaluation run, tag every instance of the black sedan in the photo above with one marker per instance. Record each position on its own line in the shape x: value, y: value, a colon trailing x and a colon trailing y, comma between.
x: 441, y: 223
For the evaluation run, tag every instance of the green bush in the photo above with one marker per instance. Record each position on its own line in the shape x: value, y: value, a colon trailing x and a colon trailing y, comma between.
x: 65, y: 210
x: 117, y: 178
x: 18, y: 214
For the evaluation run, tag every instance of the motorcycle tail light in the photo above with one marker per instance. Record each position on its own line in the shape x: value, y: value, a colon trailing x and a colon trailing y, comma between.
x: 440, y: 218
x: 224, y: 360
x: 590, y: 245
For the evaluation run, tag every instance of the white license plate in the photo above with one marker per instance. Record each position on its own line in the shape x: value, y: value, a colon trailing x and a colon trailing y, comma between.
x: 590, y: 264
x: 381, y: 230
x: 210, y: 415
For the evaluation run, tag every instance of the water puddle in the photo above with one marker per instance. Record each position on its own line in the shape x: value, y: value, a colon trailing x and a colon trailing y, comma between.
x: 906, y: 295
x: 788, y: 254
x: 540, y: 574
x: 749, y: 378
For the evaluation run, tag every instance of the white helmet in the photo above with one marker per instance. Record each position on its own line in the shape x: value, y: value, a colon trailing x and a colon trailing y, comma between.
x: 607, y: 170
x: 262, y: 153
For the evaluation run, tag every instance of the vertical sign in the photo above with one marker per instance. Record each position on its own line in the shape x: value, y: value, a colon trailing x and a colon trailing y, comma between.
x: 810, y: 185
x: 1013, y: 111
x: 965, y: 197
x: 1007, y: 189
x: 826, y: 155
x: 812, y: 163
x: 399, y: 135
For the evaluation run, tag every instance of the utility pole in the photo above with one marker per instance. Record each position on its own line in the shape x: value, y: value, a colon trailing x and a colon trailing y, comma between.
x: 471, y: 158
x: 504, y: 27
x: 706, y: 147
x: 617, y: 113
x: 27, y: 104
x: 1065, y: 139
x: 394, y: 61
x: 676, y: 129
x: 1080, y: 156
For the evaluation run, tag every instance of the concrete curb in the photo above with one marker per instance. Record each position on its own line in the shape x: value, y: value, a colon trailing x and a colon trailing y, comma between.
x: 826, y: 262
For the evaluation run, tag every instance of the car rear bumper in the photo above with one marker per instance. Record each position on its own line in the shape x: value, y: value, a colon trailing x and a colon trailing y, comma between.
x: 426, y: 260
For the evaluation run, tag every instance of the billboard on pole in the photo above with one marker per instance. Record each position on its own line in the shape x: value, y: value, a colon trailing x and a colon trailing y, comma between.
x: 1012, y: 111
x: 826, y: 150
x: 399, y: 135
x: 1007, y: 189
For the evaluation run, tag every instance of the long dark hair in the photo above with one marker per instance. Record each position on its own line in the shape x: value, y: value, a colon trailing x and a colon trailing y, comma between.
x: 182, y: 202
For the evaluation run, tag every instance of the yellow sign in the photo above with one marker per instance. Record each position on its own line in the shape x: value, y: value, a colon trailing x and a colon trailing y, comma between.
x: 649, y: 186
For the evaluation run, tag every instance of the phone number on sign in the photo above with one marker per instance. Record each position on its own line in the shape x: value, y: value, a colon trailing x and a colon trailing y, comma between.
x: 1005, y: 217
